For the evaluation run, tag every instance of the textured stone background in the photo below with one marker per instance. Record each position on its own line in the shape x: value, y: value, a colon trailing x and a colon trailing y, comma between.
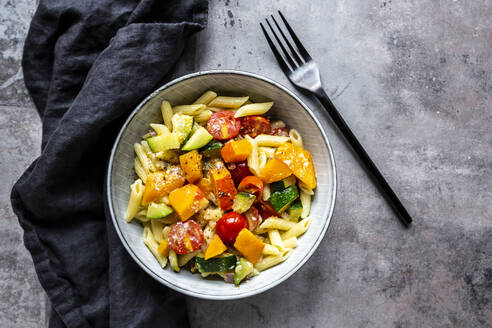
x: 414, y: 81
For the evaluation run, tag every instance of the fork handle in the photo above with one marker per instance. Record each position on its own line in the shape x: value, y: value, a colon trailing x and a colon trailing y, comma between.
x: 369, y: 165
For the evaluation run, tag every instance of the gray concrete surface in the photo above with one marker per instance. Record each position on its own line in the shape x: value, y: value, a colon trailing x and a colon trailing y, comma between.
x: 414, y: 81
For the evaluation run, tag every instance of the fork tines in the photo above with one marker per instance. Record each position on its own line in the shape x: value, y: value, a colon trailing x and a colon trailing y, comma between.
x: 296, y: 55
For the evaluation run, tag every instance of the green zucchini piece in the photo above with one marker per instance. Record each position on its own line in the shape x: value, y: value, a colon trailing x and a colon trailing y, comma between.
x: 295, y: 210
x: 163, y: 142
x: 158, y: 211
x: 199, y: 138
x: 182, y: 126
x: 216, y: 264
x: 243, y: 202
x: 282, y: 184
x: 280, y: 200
x: 243, y: 268
x: 212, y: 149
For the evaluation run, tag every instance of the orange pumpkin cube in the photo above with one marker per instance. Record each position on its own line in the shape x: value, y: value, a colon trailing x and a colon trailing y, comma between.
x: 191, y: 163
x: 215, y: 247
x: 163, y: 248
x: 187, y: 200
x: 274, y: 170
x: 236, y: 151
x: 299, y: 161
x: 224, y: 188
x: 250, y: 246
x: 161, y: 183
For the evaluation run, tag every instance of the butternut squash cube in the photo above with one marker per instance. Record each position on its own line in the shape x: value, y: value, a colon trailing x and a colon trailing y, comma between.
x: 187, y: 200
x: 161, y: 183
x: 274, y: 170
x: 215, y: 247
x: 191, y: 163
x: 299, y: 161
x: 249, y: 245
x: 236, y: 151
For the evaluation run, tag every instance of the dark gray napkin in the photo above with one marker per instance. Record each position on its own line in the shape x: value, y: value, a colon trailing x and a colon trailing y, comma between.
x: 87, y: 64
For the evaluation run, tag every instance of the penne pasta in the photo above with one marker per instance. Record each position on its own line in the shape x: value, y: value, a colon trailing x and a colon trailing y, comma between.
x: 157, y: 227
x: 290, y: 243
x: 269, y: 261
x: 143, y: 158
x: 206, y: 97
x: 136, y: 194
x: 266, y: 192
x: 253, y: 161
x: 160, y: 128
x: 167, y: 114
x: 189, y: 109
x: 142, y: 216
x: 270, y: 141
x: 305, y: 189
x: 274, y: 223
x: 275, y: 239
x: 270, y: 250
x: 228, y: 102
x: 183, y: 259
x: 306, y: 204
x: 268, y: 151
x: 173, y: 260
x: 262, y: 159
x: 165, y: 231
x: 137, y: 166
x: 297, y: 230
x: 253, y: 109
x: 203, y: 116
x: 152, y: 245
x: 296, y: 138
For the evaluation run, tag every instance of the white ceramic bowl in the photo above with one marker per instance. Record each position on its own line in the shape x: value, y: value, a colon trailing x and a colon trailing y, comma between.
x: 289, y: 108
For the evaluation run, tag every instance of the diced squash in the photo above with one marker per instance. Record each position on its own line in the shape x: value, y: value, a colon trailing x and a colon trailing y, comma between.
x: 236, y: 151
x: 215, y: 247
x: 224, y: 188
x: 161, y: 183
x: 250, y: 246
x: 274, y: 170
x: 299, y: 161
x: 187, y: 200
x: 206, y: 186
x: 191, y: 163
x: 163, y: 248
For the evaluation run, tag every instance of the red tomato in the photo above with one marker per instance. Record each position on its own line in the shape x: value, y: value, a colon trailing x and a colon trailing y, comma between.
x: 185, y: 237
x: 254, y: 218
x: 266, y: 210
x: 253, y: 185
x: 229, y: 225
x: 223, y: 125
x: 280, y: 132
x: 238, y: 171
x: 255, y: 125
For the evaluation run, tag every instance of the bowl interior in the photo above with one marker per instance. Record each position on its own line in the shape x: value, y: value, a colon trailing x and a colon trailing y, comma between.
x: 184, y: 91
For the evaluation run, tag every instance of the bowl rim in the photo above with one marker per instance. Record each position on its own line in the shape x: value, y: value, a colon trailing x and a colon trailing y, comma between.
x: 178, y: 288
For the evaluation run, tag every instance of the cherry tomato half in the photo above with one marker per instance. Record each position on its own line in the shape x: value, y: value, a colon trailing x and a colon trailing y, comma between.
x: 254, y: 218
x: 229, y: 226
x: 255, y: 125
x: 223, y: 125
x: 238, y: 171
x: 280, y: 132
x: 265, y: 210
x: 252, y: 185
x: 185, y: 237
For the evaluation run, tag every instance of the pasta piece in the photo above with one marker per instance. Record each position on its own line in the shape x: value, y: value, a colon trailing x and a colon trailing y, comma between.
x: 296, y: 138
x: 165, y: 232
x: 170, y: 219
x: 206, y: 97
x: 152, y: 245
x: 189, y: 109
x: 298, y: 229
x: 137, y: 166
x: 183, y: 259
x: 270, y: 141
x: 203, y: 116
x: 142, y: 157
x: 228, y: 102
x: 253, y: 161
x: 290, y: 243
x: 167, y: 114
x: 306, y: 204
x: 173, y: 260
x: 142, y: 216
x: 159, y: 128
x: 270, y: 250
x: 274, y: 223
x: 262, y: 159
x: 275, y: 239
x: 156, y: 227
x: 269, y: 261
x: 253, y: 109
x: 268, y: 151
x: 150, y: 156
x: 305, y: 188
x: 136, y: 194
x: 217, y: 109
x: 266, y: 192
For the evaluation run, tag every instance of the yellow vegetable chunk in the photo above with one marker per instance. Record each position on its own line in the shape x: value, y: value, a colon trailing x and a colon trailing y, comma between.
x: 299, y: 161
x: 216, y: 247
x: 274, y: 170
x: 161, y: 183
x: 163, y: 248
x: 191, y: 163
x: 250, y: 246
x: 187, y: 200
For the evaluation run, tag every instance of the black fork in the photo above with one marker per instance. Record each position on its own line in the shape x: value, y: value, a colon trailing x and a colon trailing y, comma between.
x: 303, y: 72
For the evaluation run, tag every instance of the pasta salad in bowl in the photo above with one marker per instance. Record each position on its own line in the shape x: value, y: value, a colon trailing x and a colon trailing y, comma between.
x: 220, y: 186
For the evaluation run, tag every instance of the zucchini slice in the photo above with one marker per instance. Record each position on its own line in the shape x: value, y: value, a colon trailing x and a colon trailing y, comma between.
x: 280, y: 200
x: 182, y: 126
x: 282, y: 184
x: 243, y: 268
x: 157, y: 211
x: 216, y: 264
x: 243, y: 202
x: 295, y: 210
x: 212, y: 149
x: 163, y: 142
x: 199, y: 138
